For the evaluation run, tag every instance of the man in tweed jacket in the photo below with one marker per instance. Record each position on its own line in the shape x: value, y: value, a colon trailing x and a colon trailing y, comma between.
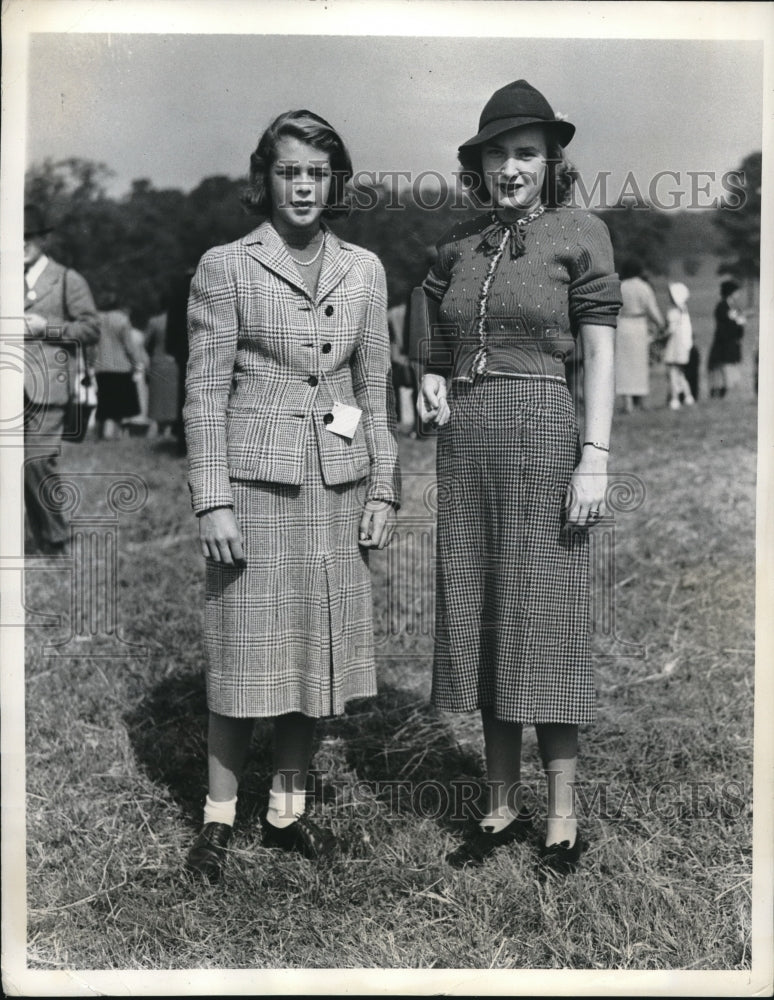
x: 260, y: 382
x: 60, y: 319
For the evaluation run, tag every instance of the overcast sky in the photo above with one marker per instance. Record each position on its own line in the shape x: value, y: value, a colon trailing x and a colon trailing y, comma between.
x: 175, y: 108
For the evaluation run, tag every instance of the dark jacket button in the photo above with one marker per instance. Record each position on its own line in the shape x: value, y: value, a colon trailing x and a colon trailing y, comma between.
x: 326, y: 348
x: 328, y: 418
x: 312, y: 380
x: 329, y: 310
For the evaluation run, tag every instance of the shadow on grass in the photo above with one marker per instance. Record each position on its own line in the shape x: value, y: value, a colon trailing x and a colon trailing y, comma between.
x: 167, y: 446
x: 394, y: 743
x: 408, y: 756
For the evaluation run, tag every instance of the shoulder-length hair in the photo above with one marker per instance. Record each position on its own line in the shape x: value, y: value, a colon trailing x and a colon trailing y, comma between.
x: 315, y: 131
x: 557, y: 184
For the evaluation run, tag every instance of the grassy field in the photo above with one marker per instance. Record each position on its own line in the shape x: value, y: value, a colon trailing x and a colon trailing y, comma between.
x: 116, y: 751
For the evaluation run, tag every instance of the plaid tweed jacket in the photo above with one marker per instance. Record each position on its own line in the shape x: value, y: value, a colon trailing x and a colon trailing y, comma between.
x: 64, y: 298
x: 267, y: 361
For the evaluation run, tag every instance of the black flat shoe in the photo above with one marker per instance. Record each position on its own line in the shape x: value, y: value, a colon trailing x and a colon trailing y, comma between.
x: 482, y: 843
x: 302, y: 836
x: 561, y: 859
x: 208, y: 853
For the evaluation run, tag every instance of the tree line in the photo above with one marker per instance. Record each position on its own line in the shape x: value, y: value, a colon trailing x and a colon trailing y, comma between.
x: 138, y: 246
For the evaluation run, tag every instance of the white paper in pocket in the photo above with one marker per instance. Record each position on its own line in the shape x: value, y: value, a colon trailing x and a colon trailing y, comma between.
x: 345, y: 420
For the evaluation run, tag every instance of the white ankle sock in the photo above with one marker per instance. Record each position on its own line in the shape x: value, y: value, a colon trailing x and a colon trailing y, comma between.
x: 220, y: 812
x: 285, y: 808
x: 497, y: 820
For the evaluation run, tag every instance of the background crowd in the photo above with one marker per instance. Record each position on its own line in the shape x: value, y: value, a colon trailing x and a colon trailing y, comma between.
x: 163, y: 233
x: 138, y: 365
x: 127, y: 377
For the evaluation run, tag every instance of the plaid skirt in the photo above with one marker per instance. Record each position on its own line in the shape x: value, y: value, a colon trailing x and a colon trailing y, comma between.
x: 512, y: 620
x: 292, y: 631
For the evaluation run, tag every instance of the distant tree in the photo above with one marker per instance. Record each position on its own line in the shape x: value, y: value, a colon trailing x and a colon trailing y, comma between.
x: 691, y: 266
x: 692, y: 235
x: 150, y: 250
x: 739, y: 222
x: 402, y: 234
x: 136, y: 245
x: 639, y: 230
x: 71, y: 193
x: 213, y: 215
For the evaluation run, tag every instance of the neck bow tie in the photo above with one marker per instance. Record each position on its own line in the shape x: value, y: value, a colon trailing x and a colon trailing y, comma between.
x: 493, y: 235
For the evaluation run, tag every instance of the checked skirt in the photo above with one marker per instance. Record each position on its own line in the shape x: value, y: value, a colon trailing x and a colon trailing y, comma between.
x: 293, y: 630
x: 512, y: 621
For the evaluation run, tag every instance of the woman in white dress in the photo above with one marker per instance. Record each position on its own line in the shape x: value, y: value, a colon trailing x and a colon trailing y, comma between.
x: 632, y: 337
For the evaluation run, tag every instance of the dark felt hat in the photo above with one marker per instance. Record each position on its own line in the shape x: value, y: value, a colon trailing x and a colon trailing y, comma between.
x: 518, y: 104
x: 35, y: 222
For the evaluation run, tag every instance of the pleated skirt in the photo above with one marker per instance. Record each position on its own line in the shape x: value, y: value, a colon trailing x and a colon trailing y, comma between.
x: 292, y: 631
x: 512, y: 618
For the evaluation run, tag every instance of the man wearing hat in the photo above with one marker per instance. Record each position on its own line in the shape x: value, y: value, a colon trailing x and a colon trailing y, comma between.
x: 59, y: 319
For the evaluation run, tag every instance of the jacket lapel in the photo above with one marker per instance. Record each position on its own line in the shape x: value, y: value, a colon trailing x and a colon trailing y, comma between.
x: 268, y: 247
x: 337, y: 260
x: 48, y: 281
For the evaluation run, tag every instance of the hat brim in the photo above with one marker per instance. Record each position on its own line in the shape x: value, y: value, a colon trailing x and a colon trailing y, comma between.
x: 564, y: 131
x: 28, y: 233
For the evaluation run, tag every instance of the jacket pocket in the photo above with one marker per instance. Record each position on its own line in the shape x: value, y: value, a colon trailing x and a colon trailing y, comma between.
x: 265, y: 443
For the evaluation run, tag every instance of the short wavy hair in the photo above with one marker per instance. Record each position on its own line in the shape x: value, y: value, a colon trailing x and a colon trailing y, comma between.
x: 310, y: 128
x: 557, y: 184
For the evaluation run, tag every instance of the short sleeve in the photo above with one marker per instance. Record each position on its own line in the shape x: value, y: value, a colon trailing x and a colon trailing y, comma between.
x: 595, y: 291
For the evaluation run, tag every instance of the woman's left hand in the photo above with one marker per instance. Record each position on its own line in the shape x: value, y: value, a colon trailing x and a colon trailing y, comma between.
x: 377, y: 524
x: 585, y: 498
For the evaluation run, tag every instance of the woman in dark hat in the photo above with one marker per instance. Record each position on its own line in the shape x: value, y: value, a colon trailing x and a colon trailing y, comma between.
x: 726, y: 351
x: 507, y: 297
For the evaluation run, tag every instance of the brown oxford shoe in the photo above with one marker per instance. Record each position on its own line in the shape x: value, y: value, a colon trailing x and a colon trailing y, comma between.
x: 482, y: 842
x: 208, y: 853
x: 561, y: 859
x: 302, y: 836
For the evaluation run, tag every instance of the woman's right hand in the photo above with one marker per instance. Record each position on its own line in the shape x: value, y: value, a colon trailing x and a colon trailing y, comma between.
x: 220, y: 537
x: 432, y: 404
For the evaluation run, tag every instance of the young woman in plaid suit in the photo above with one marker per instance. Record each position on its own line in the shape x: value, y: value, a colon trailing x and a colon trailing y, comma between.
x: 293, y: 471
x: 509, y: 293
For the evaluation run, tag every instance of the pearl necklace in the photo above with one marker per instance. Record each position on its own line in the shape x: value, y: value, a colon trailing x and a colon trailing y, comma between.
x: 306, y: 263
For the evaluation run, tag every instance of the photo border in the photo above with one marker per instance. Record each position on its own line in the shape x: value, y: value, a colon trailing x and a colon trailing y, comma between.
x: 709, y: 21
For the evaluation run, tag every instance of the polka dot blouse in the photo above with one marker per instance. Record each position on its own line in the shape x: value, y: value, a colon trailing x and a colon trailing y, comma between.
x: 501, y: 313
